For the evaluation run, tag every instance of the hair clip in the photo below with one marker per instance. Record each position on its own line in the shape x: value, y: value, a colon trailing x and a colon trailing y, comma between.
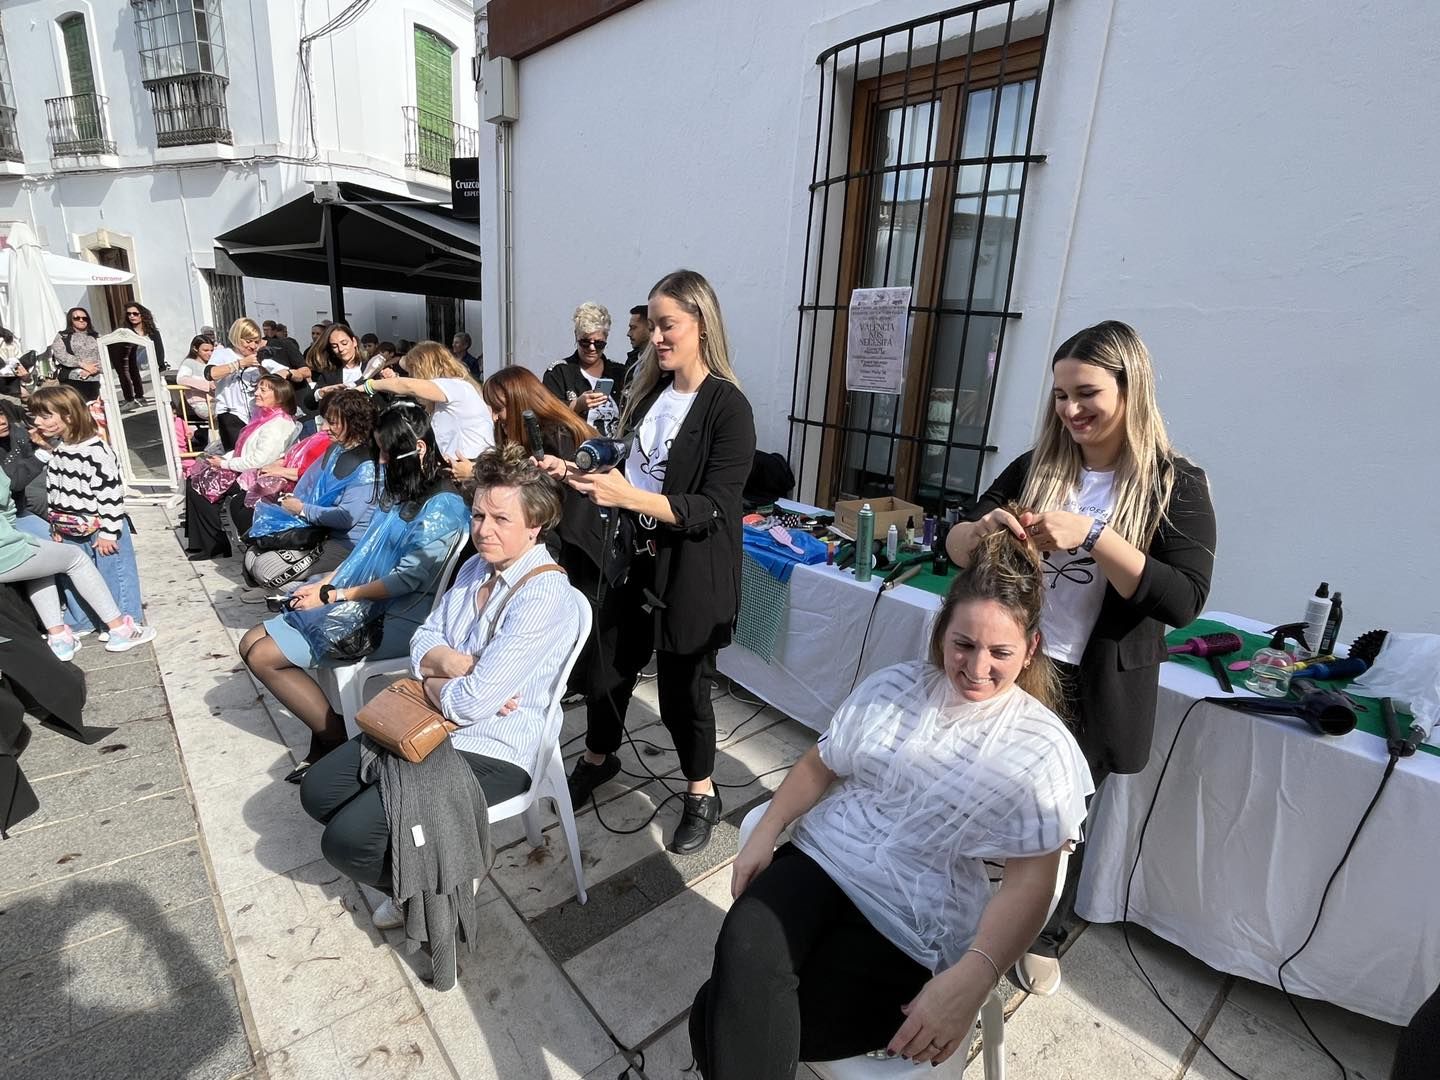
x: 408, y: 453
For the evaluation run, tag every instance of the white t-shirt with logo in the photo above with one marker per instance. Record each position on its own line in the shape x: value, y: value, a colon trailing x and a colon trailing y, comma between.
x: 646, y: 465
x: 1075, y: 586
x: 605, y: 417
x: 462, y: 422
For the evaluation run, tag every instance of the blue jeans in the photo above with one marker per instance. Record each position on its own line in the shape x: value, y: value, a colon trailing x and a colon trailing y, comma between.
x: 119, y: 571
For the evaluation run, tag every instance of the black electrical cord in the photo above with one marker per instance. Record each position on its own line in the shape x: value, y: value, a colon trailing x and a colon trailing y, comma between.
x: 1319, y: 911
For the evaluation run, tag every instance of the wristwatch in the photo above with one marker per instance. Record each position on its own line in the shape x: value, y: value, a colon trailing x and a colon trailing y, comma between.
x: 1095, y: 530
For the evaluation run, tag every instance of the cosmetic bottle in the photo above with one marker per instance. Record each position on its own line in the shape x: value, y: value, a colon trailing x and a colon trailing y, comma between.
x: 1317, y: 612
x: 928, y: 536
x: 910, y: 535
x: 864, y: 543
x: 1272, y: 666
x: 940, y: 561
x: 1332, y: 625
x: 892, y: 543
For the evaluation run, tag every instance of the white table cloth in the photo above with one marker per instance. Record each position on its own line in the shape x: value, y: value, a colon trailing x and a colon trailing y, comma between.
x: 1254, y: 814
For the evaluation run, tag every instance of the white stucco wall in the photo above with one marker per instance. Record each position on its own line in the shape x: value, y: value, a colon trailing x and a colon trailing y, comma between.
x: 1253, y: 189
x: 168, y: 205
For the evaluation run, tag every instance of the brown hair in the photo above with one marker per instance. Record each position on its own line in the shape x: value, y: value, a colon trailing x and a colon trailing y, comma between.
x: 70, y: 407
x: 1009, y: 572
x: 354, y: 411
x: 514, y: 389
x: 284, y: 392
x: 510, y: 466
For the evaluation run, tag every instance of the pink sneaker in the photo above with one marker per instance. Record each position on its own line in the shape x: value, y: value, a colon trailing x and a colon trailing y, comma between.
x: 127, y: 635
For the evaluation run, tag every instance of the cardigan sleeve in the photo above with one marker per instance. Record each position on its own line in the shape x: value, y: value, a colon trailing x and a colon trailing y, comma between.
x: 1175, y: 581
x: 727, y: 467
x: 266, y: 445
x: 1006, y: 488
x: 109, y: 491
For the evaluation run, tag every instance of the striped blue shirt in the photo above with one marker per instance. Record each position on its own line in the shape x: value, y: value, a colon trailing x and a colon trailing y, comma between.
x: 522, y: 655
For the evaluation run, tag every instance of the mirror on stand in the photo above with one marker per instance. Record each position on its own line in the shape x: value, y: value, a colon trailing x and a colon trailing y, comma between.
x: 137, y: 413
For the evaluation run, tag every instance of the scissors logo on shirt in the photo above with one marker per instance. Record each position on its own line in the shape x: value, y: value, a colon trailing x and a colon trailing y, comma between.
x: 656, y: 469
x: 1073, y: 570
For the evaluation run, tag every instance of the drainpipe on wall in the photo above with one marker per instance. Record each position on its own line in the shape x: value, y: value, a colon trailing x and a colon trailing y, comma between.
x: 498, y: 106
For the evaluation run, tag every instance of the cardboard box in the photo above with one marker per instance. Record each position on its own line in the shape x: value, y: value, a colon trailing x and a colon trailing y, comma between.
x: 888, y: 511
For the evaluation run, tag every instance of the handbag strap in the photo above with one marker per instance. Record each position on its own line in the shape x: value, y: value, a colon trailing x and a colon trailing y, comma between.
x: 547, y: 568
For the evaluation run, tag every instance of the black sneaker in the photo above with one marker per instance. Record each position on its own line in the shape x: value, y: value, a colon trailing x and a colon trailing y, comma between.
x: 702, y: 812
x: 585, y: 778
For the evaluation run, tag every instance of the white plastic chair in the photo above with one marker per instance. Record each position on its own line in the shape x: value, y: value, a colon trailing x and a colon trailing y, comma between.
x: 345, y: 686
x: 548, y: 777
x: 992, y: 1019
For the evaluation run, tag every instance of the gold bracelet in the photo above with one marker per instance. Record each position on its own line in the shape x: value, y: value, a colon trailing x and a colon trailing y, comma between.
x: 987, y: 956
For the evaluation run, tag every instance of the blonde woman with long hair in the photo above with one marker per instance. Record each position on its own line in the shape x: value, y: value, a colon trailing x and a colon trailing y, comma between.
x: 464, y: 428
x: 1128, y: 532
x: 679, y: 494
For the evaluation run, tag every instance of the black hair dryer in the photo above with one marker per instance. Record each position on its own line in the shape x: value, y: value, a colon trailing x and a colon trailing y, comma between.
x: 1329, y: 712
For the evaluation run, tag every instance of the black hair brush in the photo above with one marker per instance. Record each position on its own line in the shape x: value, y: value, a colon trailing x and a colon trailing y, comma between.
x: 1367, y: 646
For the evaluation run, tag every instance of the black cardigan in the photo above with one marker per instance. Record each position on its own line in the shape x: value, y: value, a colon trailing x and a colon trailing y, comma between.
x: 566, y: 379
x: 697, y: 566
x: 1120, y: 668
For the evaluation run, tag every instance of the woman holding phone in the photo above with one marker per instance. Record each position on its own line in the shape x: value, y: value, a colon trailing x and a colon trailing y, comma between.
x: 680, y: 493
x: 1128, y: 535
x: 585, y: 380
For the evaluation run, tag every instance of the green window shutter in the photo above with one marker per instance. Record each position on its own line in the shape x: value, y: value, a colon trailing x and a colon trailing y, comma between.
x: 77, y: 54
x: 433, y: 87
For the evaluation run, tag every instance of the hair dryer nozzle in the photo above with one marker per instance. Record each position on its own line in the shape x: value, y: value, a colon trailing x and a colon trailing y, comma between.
x: 601, y: 455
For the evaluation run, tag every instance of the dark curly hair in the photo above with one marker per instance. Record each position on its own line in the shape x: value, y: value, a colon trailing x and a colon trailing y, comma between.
x: 511, y: 466
x: 352, y: 410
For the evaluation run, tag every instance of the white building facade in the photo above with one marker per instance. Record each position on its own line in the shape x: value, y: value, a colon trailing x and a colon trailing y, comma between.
x: 1236, y: 180
x: 134, y: 132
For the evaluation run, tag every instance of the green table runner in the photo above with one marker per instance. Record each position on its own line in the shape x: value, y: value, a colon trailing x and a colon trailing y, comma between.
x: 1367, y: 710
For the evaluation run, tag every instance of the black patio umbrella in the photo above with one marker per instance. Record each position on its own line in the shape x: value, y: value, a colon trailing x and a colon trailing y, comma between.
x: 363, y: 238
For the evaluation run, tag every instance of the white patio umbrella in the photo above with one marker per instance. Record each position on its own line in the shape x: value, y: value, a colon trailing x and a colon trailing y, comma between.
x: 34, y: 313
x: 66, y: 271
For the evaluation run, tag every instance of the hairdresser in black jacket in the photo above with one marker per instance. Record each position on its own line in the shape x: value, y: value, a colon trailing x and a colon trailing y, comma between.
x: 1129, y: 535
x: 681, y: 485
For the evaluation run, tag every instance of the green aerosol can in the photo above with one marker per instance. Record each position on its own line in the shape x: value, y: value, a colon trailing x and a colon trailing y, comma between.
x: 864, y: 543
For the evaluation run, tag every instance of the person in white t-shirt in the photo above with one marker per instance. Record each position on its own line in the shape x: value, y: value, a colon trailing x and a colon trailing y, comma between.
x: 876, y: 928
x: 464, y: 428
x: 680, y: 494
x: 1128, y: 532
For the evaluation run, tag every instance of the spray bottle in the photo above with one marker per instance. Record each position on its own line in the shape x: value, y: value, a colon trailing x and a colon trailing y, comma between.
x: 1317, y: 614
x: 1272, y: 667
x: 892, y: 543
x: 864, y: 543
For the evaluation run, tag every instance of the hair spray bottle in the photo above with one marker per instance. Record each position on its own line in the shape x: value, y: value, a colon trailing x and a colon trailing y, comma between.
x: 864, y: 543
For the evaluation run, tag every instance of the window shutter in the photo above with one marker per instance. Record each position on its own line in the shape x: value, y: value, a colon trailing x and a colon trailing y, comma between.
x: 433, y: 87
x: 77, y: 55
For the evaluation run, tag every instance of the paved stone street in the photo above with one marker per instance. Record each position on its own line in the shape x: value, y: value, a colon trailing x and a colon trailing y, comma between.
x: 168, y: 913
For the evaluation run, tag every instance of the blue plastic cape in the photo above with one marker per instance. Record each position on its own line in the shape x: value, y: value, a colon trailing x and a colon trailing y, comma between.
x: 388, y: 540
x: 318, y: 487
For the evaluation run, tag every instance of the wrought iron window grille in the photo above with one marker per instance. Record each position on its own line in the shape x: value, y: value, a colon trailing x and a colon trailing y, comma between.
x: 924, y: 137
x: 432, y: 139
x: 79, y: 125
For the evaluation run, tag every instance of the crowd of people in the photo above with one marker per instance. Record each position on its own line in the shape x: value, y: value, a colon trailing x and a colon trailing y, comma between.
x: 355, y: 470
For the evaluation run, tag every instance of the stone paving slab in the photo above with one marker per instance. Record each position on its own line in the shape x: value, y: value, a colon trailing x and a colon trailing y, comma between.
x: 53, y: 754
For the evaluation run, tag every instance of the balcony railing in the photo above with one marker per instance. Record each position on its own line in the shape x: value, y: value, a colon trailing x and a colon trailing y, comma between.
x: 9, y: 137
x: 190, y: 109
x: 431, y: 140
x: 78, y: 125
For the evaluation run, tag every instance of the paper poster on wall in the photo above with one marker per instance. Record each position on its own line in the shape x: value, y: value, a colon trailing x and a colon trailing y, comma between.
x: 875, y: 346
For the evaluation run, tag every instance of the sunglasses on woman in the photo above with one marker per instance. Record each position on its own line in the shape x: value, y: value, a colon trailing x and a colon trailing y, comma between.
x: 598, y: 346
x: 79, y: 318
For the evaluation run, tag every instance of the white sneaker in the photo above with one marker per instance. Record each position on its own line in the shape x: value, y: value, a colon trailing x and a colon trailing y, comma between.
x: 127, y: 635
x: 388, y: 916
x: 64, y: 646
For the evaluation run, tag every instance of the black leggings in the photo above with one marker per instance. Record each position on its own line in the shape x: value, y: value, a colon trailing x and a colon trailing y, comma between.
x: 800, y: 975
x: 204, y: 527
x: 619, y: 648
x: 356, y: 840
x: 230, y: 427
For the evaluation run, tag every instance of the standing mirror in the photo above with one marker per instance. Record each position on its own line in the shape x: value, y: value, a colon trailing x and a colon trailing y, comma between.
x: 142, y: 436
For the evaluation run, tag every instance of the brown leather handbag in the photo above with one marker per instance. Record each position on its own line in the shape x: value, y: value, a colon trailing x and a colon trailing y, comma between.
x: 401, y: 718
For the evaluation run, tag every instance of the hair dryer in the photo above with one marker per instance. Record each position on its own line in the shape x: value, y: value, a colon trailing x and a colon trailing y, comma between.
x: 1329, y: 712
x: 601, y: 455
x: 1210, y: 647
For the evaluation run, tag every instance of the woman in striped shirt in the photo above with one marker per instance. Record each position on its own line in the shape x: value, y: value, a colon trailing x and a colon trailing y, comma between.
x: 876, y: 927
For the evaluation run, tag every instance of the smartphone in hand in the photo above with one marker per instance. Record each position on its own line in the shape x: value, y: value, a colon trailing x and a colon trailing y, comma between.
x: 605, y: 386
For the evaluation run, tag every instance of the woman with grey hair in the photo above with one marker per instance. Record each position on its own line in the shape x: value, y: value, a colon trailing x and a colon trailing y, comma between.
x: 575, y: 379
